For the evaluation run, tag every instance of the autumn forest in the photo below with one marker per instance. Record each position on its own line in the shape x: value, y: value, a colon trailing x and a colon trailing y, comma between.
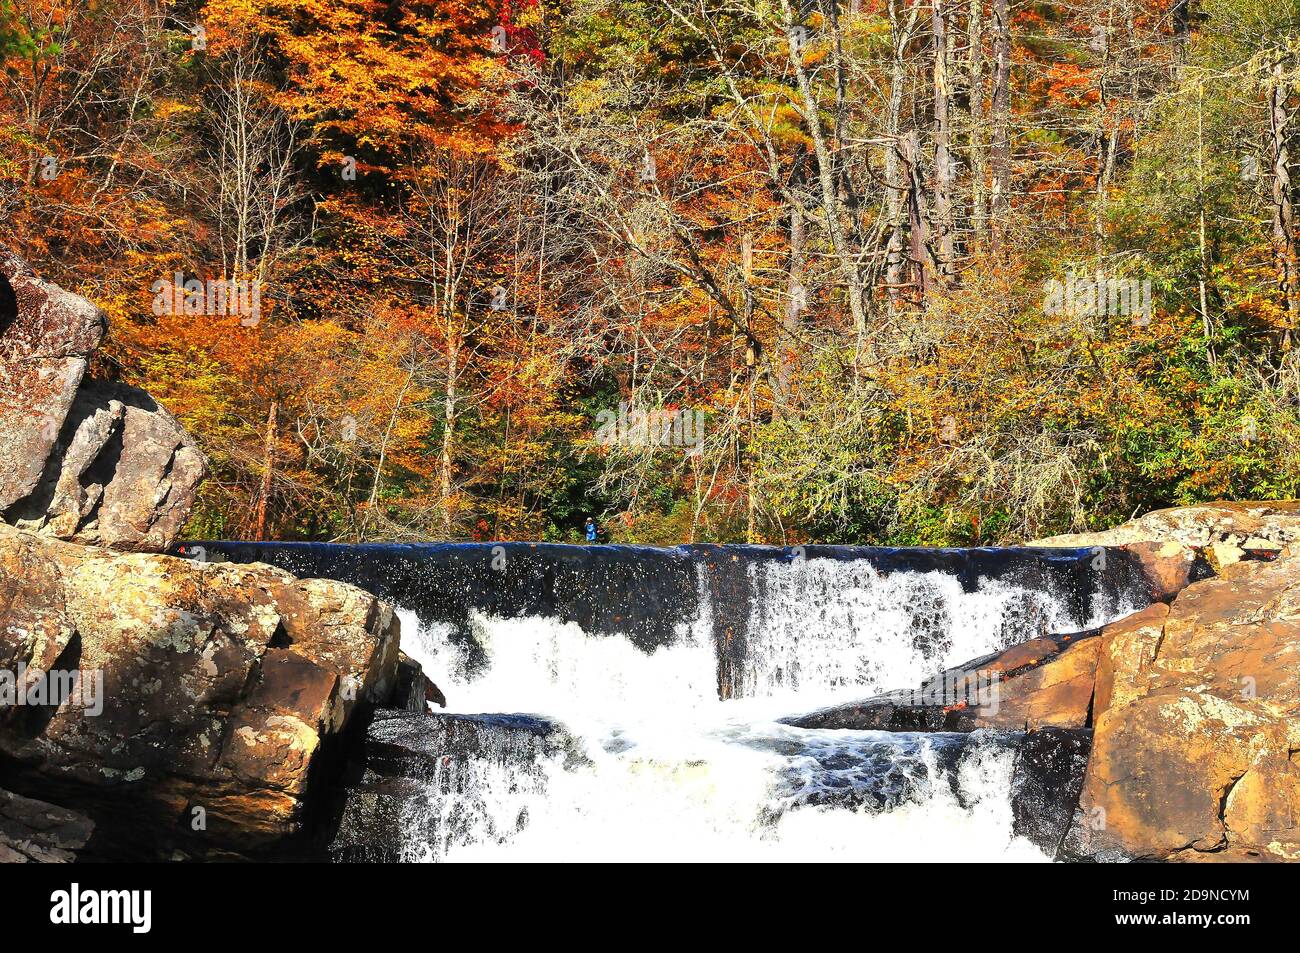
x: 912, y: 272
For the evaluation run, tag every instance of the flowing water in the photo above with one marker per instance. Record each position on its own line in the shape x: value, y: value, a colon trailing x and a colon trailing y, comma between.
x: 654, y: 681
x: 645, y: 761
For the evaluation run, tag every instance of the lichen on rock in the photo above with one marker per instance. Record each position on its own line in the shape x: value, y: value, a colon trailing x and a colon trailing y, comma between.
x: 221, y: 685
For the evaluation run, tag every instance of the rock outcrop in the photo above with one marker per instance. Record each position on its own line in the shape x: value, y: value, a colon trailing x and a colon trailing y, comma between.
x: 1045, y: 785
x: 1197, y: 724
x: 1181, y: 545
x: 208, y: 698
x: 87, y: 460
x: 150, y: 706
x: 1264, y: 527
x: 415, y: 691
x: 1169, y: 566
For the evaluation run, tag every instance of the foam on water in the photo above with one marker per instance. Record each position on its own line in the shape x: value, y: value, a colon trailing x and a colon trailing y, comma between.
x: 541, y: 666
x: 712, y: 805
x: 659, y: 768
x: 825, y: 626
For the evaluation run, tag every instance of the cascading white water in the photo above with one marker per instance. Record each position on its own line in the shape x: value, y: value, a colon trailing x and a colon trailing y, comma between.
x: 842, y: 627
x: 657, y: 767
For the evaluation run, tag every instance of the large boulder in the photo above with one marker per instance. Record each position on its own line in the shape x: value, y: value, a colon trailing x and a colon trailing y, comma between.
x: 81, y: 459
x: 211, y: 696
x: 47, y: 336
x: 1184, y: 544
x: 1170, y: 566
x: 1196, y: 716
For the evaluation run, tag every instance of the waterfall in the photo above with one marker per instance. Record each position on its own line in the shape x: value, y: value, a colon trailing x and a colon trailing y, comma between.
x: 618, y: 703
x: 750, y: 796
x: 827, y: 626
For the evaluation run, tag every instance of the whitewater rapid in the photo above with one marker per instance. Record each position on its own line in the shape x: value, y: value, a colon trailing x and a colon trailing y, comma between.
x: 654, y: 766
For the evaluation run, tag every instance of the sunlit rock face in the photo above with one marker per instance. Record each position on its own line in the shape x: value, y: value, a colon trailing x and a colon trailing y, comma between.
x: 208, y: 696
x: 1195, y: 725
x: 1184, y: 544
x: 81, y: 459
x: 1267, y: 524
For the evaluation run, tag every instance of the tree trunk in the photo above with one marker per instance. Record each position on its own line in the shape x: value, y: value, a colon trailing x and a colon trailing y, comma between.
x: 832, y: 207
x: 795, y: 291
x: 943, y: 171
x: 917, y: 213
x: 1203, y: 278
x: 751, y: 495
x: 373, y: 502
x: 448, y: 437
x: 268, y: 462
x: 1000, y: 151
x: 1284, y: 250
x: 978, y: 165
x: 1105, y: 145
x: 898, y: 181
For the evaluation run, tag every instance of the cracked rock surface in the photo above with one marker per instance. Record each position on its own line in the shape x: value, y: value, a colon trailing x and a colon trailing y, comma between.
x: 81, y: 459
x: 210, y: 691
x: 1196, y: 718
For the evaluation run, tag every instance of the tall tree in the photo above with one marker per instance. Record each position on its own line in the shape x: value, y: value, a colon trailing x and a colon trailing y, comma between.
x: 1000, y: 147
x: 944, y: 177
x: 1284, y: 242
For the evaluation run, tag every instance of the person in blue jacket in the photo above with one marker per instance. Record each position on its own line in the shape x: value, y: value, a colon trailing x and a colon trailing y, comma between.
x: 591, y: 530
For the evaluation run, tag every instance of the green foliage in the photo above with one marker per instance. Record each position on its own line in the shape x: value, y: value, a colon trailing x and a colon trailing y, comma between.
x: 19, y: 38
x: 12, y: 39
